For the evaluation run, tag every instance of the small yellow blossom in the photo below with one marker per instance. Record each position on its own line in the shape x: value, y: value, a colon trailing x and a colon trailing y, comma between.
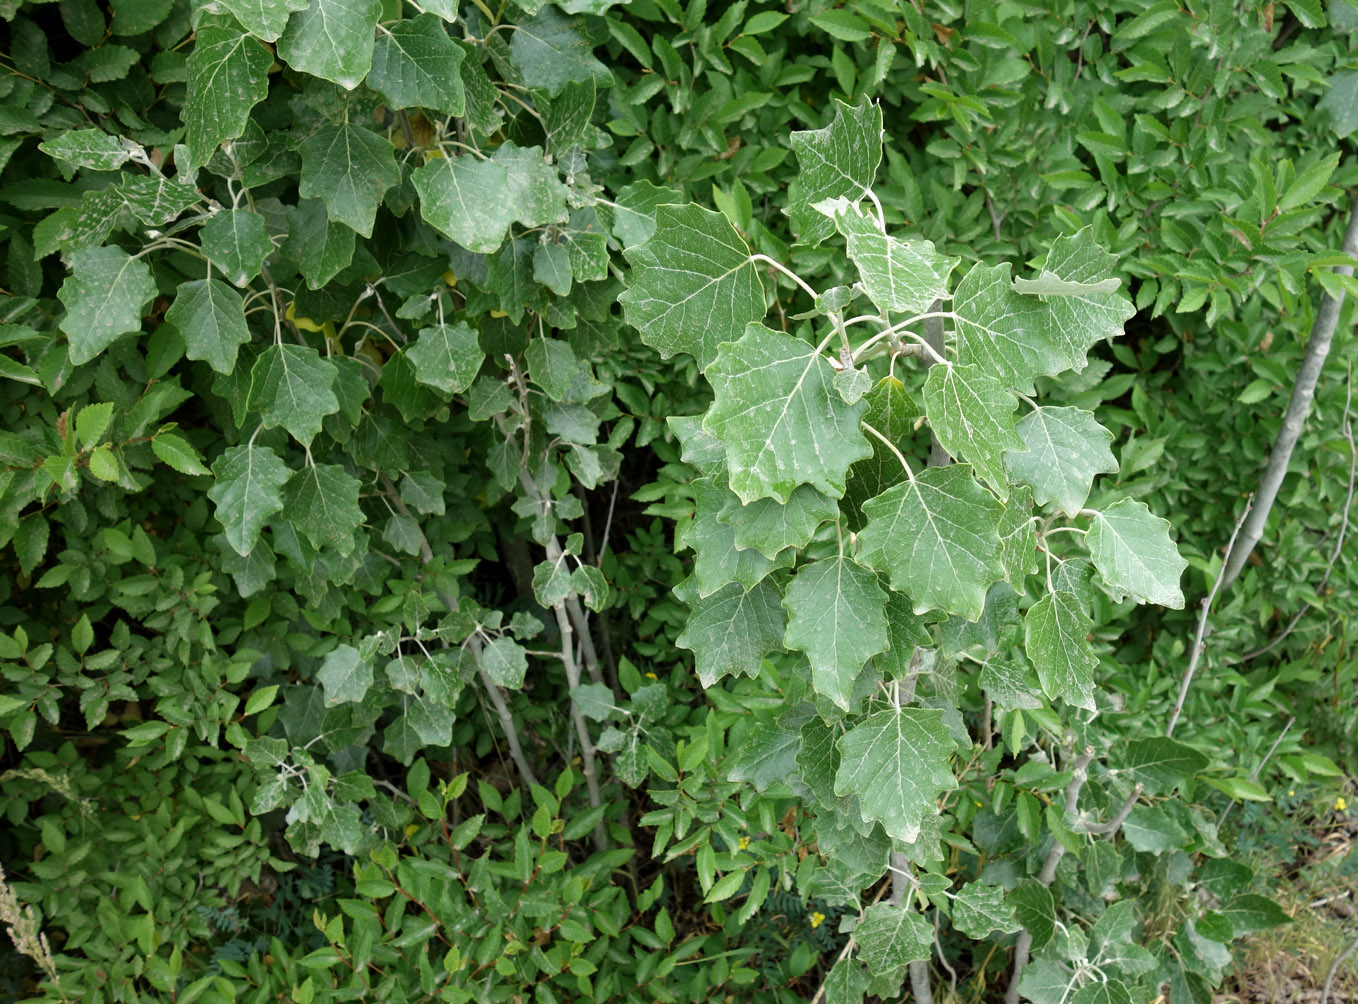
x: 743, y: 843
x: 817, y: 919
x: 652, y: 676
x: 1340, y: 804
x: 1291, y: 792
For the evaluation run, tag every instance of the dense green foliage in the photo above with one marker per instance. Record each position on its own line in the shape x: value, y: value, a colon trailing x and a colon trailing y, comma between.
x: 477, y: 516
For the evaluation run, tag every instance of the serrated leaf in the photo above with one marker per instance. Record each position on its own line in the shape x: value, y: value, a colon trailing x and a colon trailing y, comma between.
x: 780, y: 417
x: 532, y: 185
x: 322, y: 502
x: 210, y: 316
x: 839, y: 161
x: 847, y: 983
x: 980, y: 909
x: 176, y: 451
x: 1161, y: 764
x: 155, y: 201
x: 550, y: 53
x: 1035, y: 908
x: 321, y: 247
x: 905, y: 632
x: 767, y: 756
x: 890, y: 937
x: 1018, y: 537
x: 290, y: 385
x: 770, y: 526
x: 345, y: 675
x: 892, y: 412
x: 896, y: 762
x: 92, y: 423
x: 937, y: 537
x: 1109, y: 992
x: 349, y: 168
x: 447, y: 357
x: 249, y: 479
x: 905, y: 276
x: 1067, y: 447
x: 1002, y: 332
x: 505, y: 662
x: 836, y: 616
x: 1132, y: 549
x: 731, y: 631
x: 104, y: 296
x: 971, y: 413
x: 265, y: 18
x: 464, y: 198
x: 635, y: 210
x: 1055, y: 633
x: 92, y: 149
x: 416, y: 65
x: 236, y: 242
x: 718, y: 560
x: 333, y: 40
x: 228, y: 74
x: 693, y: 285
x: 1078, y: 320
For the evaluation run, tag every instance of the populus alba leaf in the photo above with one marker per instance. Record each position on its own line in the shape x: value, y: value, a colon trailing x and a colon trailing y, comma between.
x: 333, y: 40
x: 980, y: 909
x: 322, y: 502
x: 782, y: 420
x: 447, y: 356
x: 1084, y: 312
x: 550, y: 53
x: 92, y: 149
x: 891, y: 412
x: 1055, y: 637
x: 349, y: 168
x: 265, y: 18
x: 972, y: 414
x: 416, y: 65
x: 247, y: 492
x: 835, y: 615
x: 769, y: 526
x: 718, y: 559
x: 210, y: 315
x: 1002, y: 332
x: 104, y: 296
x: 1132, y: 550
x: 1067, y: 447
x: 464, y: 198
x: 889, y: 937
x: 320, y: 246
x: 1161, y: 764
x: 896, y: 762
x: 693, y: 285
x: 228, y: 74
x: 937, y: 537
x: 905, y: 276
x: 236, y: 242
x: 290, y: 386
x: 839, y: 161
x: 345, y: 675
x: 731, y: 631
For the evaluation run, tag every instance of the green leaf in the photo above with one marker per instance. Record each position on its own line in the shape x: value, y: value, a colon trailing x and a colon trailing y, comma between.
x: 1018, y: 538
x: 1067, y: 447
x: 839, y: 161
x: 322, y: 502
x: 321, y: 247
x: 345, y: 675
x: 890, y: 937
x: 265, y: 18
x: 552, y: 268
x: 210, y: 316
x: 155, y: 201
x: 897, y: 275
x: 228, y: 74
x: 1035, y: 908
x: 92, y: 423
x: 767, y: 756
x: 1054, y: 636
x: 980, y: 910
x: 905, y: 632
x: 780, y: 417
x: 236, y: 242
x: 1340, y: 102
x: 718, y: 561
x: 464, y: 198
x: 104, y: 296
x: 1001, y: 332
x: 290, y: 386
x: 333, y: 40
x: 693, y: 285
x: 550, y: 54
x: 731, y: 631
x: 937, y: 537
x: 769, y: 526
x: 505, y: 662
x: 1108, y: 992
x: 92, y: 149
x: 176, y: 451
x: 896, y: 762
x: 971, y: 413
x: 247, y: 492
x: 635, y: 210
x: 847, y: 982
x: 1132, y: 549
x: 349, y: 168
x: 416, y: 65
x: 1078, y: 320
x: 1250, y: 913
x: 836, y: 616
x: 1160, y: 764
x: 892, y: 412
x: 447, y: 357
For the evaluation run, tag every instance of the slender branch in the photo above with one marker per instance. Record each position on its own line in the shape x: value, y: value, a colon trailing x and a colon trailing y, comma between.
x: 1298, y: 408
x: 848, y: 947
x: 935, y: 351
x: 1200, y: 641
x: 1258, y: 768
x: 1334, y: 968
x: 1111, y: 827
x: 563, y: 622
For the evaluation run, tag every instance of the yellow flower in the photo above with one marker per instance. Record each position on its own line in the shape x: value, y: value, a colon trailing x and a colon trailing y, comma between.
x: 652, y: 676
x: 743, y: 843
x: 1340, y: 804
x: 817, y: 919
x: 1291, y: 792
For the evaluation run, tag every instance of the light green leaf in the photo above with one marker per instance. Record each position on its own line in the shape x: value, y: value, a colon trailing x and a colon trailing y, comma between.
x: 104, y: 296
x: 780, y: 417
x: 889, y: 937
x: 552, y: 268
x: 971, y: 413
x: 1340, y: 102
x: 228, y: 74
x: 532, y: 185
x: 236, y: 242
x: 321, y: 247
x: 906, y: 276
x: 550, y: 53
x: 839, y: 161
x: 322, y: 502
x: 731, y: 631
x: 718, y: 561
x: 1250, y: 913
x: 1001, y: 332
x: 345, y: 675
x: 92, y: 423
x: 1109, y: 992
x: 290, y: 386
x: 416, y: 65
x: 333, y: 40
x: 980, y: 910
x: 265, y: 18
x: 1078, y: 320
x: 505, y: 662
x: 937, y: 537
x: 92, y: 149
x: 1054, y: 633
x: 634, y: 213
x: 155, y: 201
x: 1067, y: 447
x: 1018, y: 537
x: 836, y: 616
x: 1161, y: 764
x: 767, y: 756
x: 447, y: 357
x: 769, y: 526
x: 847, y: 982
x: 1132, y: 549
x: 176, y: 451
x: 247, y: 492
x: 349, y: 168
x: 896, y: 762
x: 464, y: 198
x: 211, y: 317
x: 566, y: 118
x: 693, y: 285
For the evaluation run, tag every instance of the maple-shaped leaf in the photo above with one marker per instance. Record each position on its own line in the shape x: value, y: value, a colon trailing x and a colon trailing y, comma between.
x: 1067, y: 447
x: 847, y: 982
x: 891, y: 412
x: 290, y: 385
x: 937, y: 537
x: 333, y: 40
x: 768, y: 753
x: 838, y: 161
x: 447, y: 356
x: 693, y: 285
x: 906, y: 276
x: 972, y: 414
x: 1055, y: 637
x: 770, y: 526
x: 349, y: 168
x: 889, y: 937
x: 249, y: 479
x: 896, y: 762
x: 905, y: 632
x: 533, y: 185
x: 104, y: 296
x: 550, y: 53
x: 731, y: 631
x: 1132, y: 549
x: 416, y: 65
x: 265, y: 18
x: 782, y: 420
x: 210, y: 316
x: 1074, y: 287
x: 322, y: 502
x: 345, y: 675
x: 836, y: 616
x: 718, y: 560
x: 634, y: 211
x: 228, y: 74
x: 464, y: 198
x: 236, y: 242
x: 1001, y: 332
x: 320, y: 247
x: 979, y: 910
x: 1018, y: 537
